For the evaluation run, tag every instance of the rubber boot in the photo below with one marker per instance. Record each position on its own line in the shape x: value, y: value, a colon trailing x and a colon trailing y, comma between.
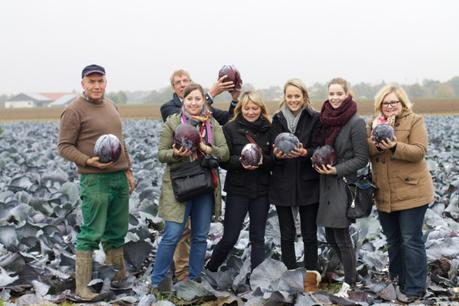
x: 83, y: 275
x: 116, y: 257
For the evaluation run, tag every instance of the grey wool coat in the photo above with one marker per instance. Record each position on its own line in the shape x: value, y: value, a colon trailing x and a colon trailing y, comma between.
x: 351, y: 148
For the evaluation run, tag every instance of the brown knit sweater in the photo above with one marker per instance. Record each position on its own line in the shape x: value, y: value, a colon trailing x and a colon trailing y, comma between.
x: 82, y: 122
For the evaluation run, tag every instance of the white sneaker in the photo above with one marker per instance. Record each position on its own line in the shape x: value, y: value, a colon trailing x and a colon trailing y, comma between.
x: 343, y: 292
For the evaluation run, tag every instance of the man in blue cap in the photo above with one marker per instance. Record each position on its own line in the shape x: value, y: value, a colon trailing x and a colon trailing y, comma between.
x: 104, y: 187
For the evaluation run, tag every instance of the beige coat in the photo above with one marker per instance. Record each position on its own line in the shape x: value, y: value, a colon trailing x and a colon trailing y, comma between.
x: 169, y: 208
x: 402, y: 177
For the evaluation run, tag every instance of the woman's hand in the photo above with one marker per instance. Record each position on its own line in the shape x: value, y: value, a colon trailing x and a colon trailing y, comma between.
x: 205, y: 148
x: 252, y: 167
x: 182, y: 152
x: 386, y: 144
x: 298, y: 152
x: 279, y: 154
x: 325, y: 169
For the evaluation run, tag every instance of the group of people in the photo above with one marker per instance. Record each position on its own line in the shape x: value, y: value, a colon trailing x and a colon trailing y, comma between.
x: 317, y: 194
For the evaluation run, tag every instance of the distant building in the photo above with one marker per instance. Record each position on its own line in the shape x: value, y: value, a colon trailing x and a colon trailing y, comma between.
x: 34, y: 99
x: 63, y: 101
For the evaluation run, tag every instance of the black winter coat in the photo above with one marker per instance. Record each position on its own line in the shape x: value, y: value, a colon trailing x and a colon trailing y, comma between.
x: 174, y: 106
x: 239, y: 181
x: 293, y: 181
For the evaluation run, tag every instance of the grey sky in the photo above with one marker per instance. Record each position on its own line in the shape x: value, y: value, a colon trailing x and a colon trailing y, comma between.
x: 45, y: 43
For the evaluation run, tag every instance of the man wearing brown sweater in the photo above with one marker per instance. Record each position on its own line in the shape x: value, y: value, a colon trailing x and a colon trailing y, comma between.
x: 104, y: 187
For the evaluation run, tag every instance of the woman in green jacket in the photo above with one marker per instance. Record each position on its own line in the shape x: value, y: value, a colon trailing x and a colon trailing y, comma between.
x: 199, y: 209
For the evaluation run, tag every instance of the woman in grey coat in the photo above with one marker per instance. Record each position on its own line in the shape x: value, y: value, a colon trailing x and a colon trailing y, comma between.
x: 345, y: 131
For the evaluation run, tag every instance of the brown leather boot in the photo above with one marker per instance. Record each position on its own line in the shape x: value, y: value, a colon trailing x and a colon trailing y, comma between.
x: 311, y: 281
x: 117, y: 260
x: 83, y: 275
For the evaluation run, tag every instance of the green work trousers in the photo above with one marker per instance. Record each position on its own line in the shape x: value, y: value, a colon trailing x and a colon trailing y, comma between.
x: 105, y: 208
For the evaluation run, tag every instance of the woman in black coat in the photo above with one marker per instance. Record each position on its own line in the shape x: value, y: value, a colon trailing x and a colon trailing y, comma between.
x: 294, y: 183
x: 246, y: 186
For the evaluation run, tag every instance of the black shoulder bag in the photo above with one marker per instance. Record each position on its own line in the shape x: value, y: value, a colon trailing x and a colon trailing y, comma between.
x: 190, y: 180
x: 362, y: 194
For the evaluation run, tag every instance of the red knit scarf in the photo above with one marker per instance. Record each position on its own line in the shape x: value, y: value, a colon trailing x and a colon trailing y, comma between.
x: 333, y: 119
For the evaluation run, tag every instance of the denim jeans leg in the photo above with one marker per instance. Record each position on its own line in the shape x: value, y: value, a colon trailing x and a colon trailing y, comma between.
x: 413, y: 249
x: 166, y: 248
x: 391, y: 228
x: 201, y: 214
x: 258, y: 213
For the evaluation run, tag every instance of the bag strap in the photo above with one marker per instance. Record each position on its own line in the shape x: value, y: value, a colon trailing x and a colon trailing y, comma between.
x: 250, y: 138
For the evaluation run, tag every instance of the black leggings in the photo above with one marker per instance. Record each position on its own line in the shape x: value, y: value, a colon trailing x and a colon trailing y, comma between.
x: 340, y: 240
x: 236, y: 210
x: 308, y: 214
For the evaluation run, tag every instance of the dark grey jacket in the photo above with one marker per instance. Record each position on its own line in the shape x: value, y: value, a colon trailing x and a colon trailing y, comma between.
x: 351, y: 148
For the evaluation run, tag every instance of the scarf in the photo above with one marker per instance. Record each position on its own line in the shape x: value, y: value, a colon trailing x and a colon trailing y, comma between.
x: 333, y: 119
x: 202, y: 123
x: 292, y: 120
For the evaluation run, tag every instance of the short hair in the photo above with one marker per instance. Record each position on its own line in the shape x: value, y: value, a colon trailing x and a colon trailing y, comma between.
x: 255, y: 98
x: 179, y: 72
x: 339, y: 81
x: 398, y: 91
x: 300, y: 85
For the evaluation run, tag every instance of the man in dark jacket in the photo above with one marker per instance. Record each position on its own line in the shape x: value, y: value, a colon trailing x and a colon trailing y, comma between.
x: 180, y: 79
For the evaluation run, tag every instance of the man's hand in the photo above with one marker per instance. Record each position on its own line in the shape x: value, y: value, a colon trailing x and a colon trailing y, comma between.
x: 220, y: 87
x: 130, y: 179
x: 94, y: 162
x: 235, y: 93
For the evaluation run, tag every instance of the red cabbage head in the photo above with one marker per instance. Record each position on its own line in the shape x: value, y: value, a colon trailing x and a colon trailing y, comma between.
x: 187, y: 136
x: 383, y: 131
x: 251, y: 155
x: 286, y: 142
x: 107, y: 148
x: 324, y: 155
x: 232, y: 74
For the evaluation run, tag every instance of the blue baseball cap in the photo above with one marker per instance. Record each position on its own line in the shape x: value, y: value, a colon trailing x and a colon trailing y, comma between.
x: 90, y: 69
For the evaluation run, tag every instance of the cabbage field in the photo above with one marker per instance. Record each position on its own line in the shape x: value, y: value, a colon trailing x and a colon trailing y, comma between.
x: 39, y: 218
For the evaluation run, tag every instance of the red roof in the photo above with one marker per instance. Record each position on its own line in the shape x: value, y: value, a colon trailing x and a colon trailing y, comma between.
x: 53, y: 96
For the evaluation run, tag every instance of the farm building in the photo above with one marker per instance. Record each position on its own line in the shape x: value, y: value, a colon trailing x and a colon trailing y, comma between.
x: 27, y: 100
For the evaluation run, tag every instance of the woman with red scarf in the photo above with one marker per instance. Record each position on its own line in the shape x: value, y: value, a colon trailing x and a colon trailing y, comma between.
x: 200, y: 208
x: 345, y: 131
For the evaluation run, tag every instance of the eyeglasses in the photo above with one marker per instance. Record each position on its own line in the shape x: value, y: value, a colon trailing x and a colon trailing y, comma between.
x: 390, y: 103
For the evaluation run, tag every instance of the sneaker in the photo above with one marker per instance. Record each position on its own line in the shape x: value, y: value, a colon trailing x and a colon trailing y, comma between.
x: 404, y: 298
x: 311, y: 281
x: 344, y: 291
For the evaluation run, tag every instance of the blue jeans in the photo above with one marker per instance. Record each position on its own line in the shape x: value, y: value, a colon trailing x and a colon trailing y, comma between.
x: 199, y: 210
x: 407, y: 252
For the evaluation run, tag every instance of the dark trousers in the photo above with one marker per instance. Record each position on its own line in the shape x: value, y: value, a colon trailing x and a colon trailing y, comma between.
x: 407, y: 252
x: 308, y: 215
x: 340, y: 240
x: 235, y: 212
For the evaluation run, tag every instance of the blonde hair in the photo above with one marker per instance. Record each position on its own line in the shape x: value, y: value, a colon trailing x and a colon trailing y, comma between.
x: 300, y: 85
x: 251, y: 96
x: 398, y: 91
x: 178, y: 73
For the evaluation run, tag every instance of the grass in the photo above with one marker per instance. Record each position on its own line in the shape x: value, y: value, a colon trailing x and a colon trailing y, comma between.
x: 151, y: 111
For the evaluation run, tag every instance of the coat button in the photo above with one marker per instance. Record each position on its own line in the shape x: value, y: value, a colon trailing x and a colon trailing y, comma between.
x: 407, y: 179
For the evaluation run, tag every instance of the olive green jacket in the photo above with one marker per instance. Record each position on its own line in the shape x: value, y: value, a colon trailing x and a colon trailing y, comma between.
x: 169, y: 208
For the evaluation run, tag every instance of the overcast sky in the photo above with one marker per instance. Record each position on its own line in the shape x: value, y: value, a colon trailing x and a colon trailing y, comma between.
x: 45, y: 43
